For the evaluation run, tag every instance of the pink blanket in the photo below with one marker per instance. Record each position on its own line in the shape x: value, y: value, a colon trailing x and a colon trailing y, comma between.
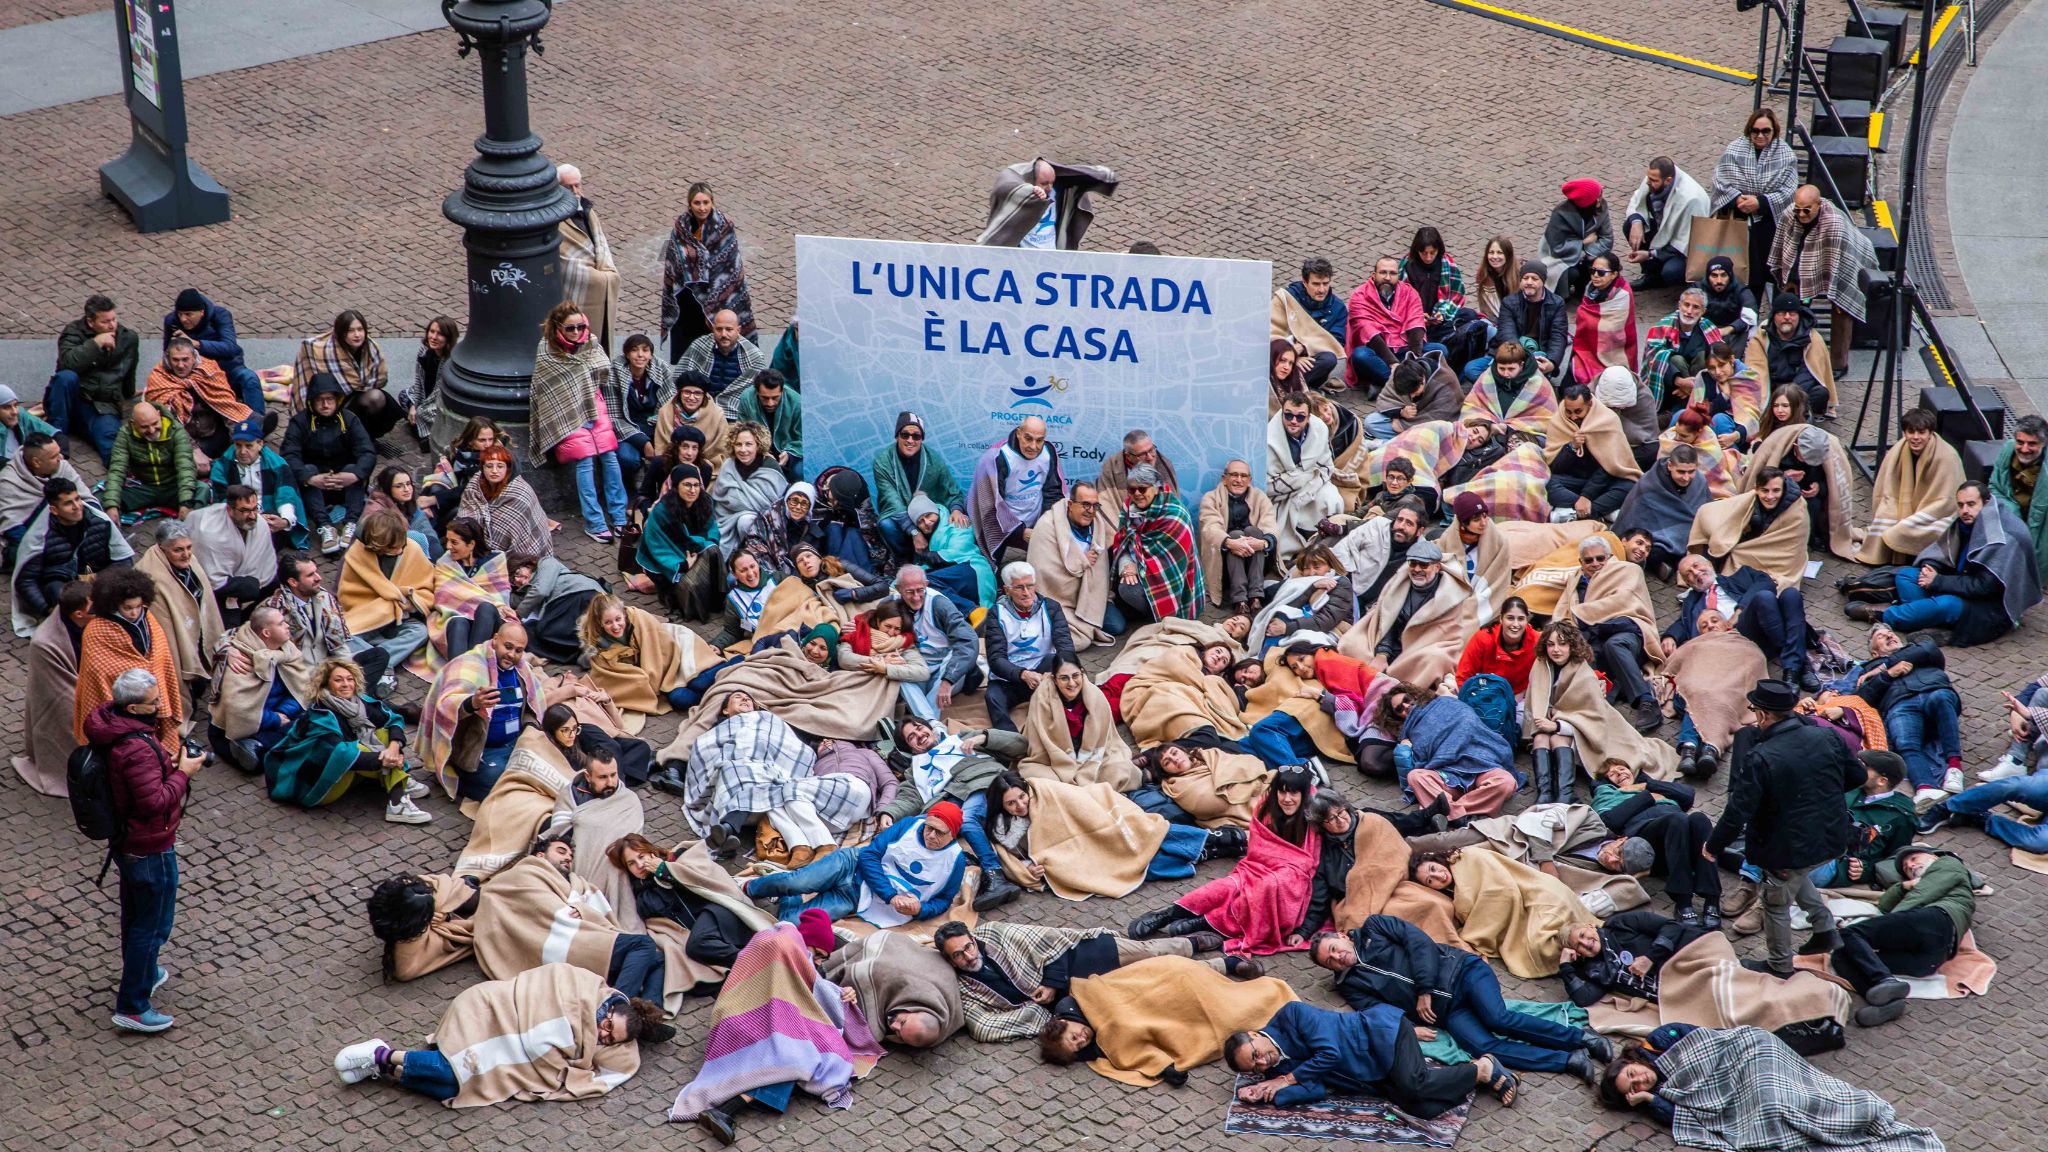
x: 1261, y: 903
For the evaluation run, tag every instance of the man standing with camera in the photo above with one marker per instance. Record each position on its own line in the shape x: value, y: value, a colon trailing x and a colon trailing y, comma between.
x: 149, y: 783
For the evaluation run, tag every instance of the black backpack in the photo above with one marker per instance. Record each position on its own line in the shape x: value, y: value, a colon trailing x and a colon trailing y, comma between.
x: 89, y: 774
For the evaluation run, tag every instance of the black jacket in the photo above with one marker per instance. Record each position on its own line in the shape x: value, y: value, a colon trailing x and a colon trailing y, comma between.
x: 1786, y: 790
x: 1638, y: 933
x: 1546, y: 321
x: 1929, y: 674
x: 1621, y: 819
x: 1742, y: 582
x: 66, y: 556
x: 997, y: 644
x: 338, y: 443
x: 1397, y: 963
x: 1574, y: 474
x: 215, y: 336
x: 1327, y: 884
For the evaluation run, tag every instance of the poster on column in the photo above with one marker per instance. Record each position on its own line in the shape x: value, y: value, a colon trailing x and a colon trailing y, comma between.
x: 976, y: 340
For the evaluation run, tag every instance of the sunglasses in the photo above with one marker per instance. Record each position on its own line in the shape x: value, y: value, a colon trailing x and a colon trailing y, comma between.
x: 1420, y: 563
x: 575, y: 327
x: 1763, y: 131
x: 910, y: 435
x: 1294, y: 417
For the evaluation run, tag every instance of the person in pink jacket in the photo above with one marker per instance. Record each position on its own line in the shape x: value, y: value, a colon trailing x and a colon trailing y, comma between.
x: 1385, y: 322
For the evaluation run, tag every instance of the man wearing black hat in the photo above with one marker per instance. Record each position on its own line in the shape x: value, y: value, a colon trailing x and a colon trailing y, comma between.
x: 331, y: 453
x: 1786, y: 790
x: 1789, y: 351
x: 212, y: 328
x: 1542, y: 316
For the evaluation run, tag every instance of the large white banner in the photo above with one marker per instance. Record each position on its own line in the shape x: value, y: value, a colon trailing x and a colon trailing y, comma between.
x: 974, y: 340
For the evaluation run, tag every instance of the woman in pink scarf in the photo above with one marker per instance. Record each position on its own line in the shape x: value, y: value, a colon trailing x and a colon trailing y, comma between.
x: 1254, y: 909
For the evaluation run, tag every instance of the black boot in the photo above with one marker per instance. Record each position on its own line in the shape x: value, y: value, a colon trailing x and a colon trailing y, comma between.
x: 1599, y: 1047
x: 1227, y: 843
x: 718, y: 1122
x: 1581, y: 1065
x: 1688, y: 757
x: 1000, y: 891
x: 1821, y: 943
x: 1153, y: 923
x: 668, y: 778
x: 1187, y: 926
x: 1709, y: 762
x: 1565, y: 764
x: 1546, y: 785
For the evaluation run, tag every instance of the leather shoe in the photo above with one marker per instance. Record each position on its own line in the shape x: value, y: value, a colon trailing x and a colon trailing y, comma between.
x: 1821, y: 943
x: 1147, y: 926
x: 718, y: 1122
x: 1711, y: 918
x: 1648, y: 719
x: 1688, y: 758
x: 1887, y: 990
x: 1764, y: 966
x: 1000, y: 891
x: 1205, y: 942
x: 1809, y: 680
x: 1871, y: 1015
x: 1597, y: 1046
x: 1243, y: 968
x: 1581, y: 1065
x: 1863, y: 613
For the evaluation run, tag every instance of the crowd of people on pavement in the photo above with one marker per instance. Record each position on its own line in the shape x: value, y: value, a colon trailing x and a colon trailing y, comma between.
x: 1473, y: 477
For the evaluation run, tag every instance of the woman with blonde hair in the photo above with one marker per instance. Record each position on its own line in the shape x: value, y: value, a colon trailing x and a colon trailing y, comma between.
x: 572, y: 423
x: 343, y: 736
x: 748, y: 486
x: 644, y: 663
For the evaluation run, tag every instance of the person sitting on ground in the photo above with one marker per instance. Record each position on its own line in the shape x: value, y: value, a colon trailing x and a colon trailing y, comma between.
x: 481, y: 700
x: 1026, y: 636
x: 1592, y: 467
x: 1730, y: 305
x: 97, y: 360
x: 780, y: 410
x: 1300, y: 476
x: 1015, y: 481
x: 1153, y: 552
x: 67, y: 538
x: 1510, y: 397
x: 1384, y: 323
x: 1012, y: 974
x: 1568, y: 714
x: 1417, y: 629
x: 1538, y: 314
x: 644, y: 663
x: 332, y: 455
x: 1316, y: 598
x: 1659, y: 813
x: 1447, y: 751
x: 678, y: 548
x: 1634, y: 404
x: 1609, y: 601
x: 1237, y: 537
x: 52, y: 683
x: 197, y: 393
x: 1978, y: 579
x: 1504, y: 648
x: 1310, y: 1054
x: 441, y: 491
x: 507, y: 506
x: 1881, y: 821
x: 2016, y: 476
x: 1790, y: 354
x: 232, y: 544
x: 1816, y: 471
x: 1578, y: 232
x: 1440, y: 285
x: 1725, y: 391
x: 1311, y: 320
x: 39, y: 460
x: 254, y: 465
x: 880, y: 644
x: 262, y: 683
x: 342, y: 736
x: 184, y: 604
x: 348, y: 355
x: 124, y: 633
x: 471, y: 592
x: 1138, y: 449
x: 1764, y: 529
x: 908, y: 467
x: 151, y: 468
x: 426, y: 923
x: 1420, y: 389
x: 1675, y: 349
x: 1658, y: 228
x: 1389, y: 961
x: 1375, y: 551
x: 1775, y: 621
x: 1664, y: 505
x: 386, y: 590
x: 911, y: 870
x: 1605, y: 334
x: 1621, y: 956
x: 1912, y: 500
x: 727, y: 362
x: 948, y: 642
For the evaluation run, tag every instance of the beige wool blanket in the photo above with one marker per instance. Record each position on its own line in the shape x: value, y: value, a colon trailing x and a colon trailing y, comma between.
x: 1213, y: 526
x: 1778, y: 445
x: 371, y: 600
x: 520, y: 804
x: 193, y: 622
x: 1067, y: 579
x: 890, y: 971
x: 795, y: 606
x: 530, y: 914
x: 1509, y: 910
x: 1605, y: 440
x: 1780, y: 550
x: 782, y: 680
x: 1171, y: 1010
x: 239, y: 697
x: 1540, y: 832
x: 46, y: 710
x: 1434, y: 636
x: 1102, y: 756
x: 1281, y: 691
x: 1219, y: 788
x: 1147, y: 641
x: 533, y: 1037
x: 1598, y: 731
x: 448, y: 939
x: 1171, y: 696
x: 1619, y: 591
x: 1378, y: 885
x: 1713, y: 671
x: 1288, y: 320
x: 1704, y: 984
x: 639, y: 672
x: 1912, y: 502
x: 1090, y: 839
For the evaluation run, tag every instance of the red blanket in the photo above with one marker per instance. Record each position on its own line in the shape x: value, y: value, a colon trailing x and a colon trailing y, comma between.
x: 1262, y: 901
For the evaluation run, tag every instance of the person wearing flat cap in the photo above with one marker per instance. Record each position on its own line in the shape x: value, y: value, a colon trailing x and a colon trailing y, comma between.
x: 1787, y: 791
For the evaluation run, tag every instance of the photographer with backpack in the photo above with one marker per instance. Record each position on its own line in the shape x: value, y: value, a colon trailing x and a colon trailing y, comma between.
x: 146, y: 784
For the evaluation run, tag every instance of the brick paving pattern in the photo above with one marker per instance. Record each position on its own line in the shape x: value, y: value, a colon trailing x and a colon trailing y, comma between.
x: 884, y: 122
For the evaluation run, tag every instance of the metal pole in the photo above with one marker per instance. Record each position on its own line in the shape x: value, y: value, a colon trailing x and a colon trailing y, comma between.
x: 1903, y: 293
x: 1798, y: 61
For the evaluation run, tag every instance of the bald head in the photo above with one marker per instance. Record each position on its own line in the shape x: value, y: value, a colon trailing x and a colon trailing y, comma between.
x: 1042, y: 175
x: 916, y: 1028
x: 1031, y: 437
x: 725, y: 329
x: 1806, y: 204
x: 145, y: 414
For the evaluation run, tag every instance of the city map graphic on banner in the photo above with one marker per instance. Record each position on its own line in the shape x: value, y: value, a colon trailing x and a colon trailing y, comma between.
x: 975, y: 340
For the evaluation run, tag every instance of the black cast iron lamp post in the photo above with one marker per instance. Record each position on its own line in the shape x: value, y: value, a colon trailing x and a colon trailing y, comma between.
x: 508, y: 207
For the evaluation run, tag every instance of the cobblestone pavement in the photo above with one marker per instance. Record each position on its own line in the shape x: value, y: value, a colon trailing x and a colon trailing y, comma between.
x: 884, y: 121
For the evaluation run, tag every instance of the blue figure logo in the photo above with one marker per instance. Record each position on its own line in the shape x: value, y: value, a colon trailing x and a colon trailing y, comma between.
x: 1032, y: 394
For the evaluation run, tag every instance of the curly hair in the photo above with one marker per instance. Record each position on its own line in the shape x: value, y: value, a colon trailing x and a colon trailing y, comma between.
x: 401, y: 908
x: 1568, y: 631
x: 1383, y: 717
x: 333, y: 664
x: 551, y: 328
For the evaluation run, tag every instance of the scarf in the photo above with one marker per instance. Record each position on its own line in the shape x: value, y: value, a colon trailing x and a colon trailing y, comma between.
x: 1161, y: 540
x: 355, y: 721
x: 310, y: 625
x: 1029, y: 637
x: 1023, y: 483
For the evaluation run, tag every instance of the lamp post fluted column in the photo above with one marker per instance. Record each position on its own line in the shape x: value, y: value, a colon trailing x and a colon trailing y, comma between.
x: 508, y: 206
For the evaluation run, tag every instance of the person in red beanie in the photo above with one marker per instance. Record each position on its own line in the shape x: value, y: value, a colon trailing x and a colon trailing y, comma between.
x: 815, y: 926
x: 911, y: 871
x: 1579, y: 230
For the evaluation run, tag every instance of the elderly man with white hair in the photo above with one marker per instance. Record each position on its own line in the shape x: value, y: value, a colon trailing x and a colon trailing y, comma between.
x: 947, y: 641
x: 589, y: 276
x: 1026, y: 638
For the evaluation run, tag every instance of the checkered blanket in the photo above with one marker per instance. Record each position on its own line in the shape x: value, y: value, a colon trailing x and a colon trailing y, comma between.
x: 1434, y: 447
x: 1512, y: 486
x: 1161, y: 540
x: 1740, y: 1089
x: 755, y: 762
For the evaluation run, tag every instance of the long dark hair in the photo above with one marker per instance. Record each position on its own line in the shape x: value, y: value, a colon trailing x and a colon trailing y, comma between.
x: 1611, y: 1094
x: 1293, y: 829
x: 390, y: 473
x: 342, y: 324
x: 999, y: 787
x: 1425, y: 237
x: 401, y: 908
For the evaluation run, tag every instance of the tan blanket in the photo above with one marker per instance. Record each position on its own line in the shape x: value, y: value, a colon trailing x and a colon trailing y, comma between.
x: 1912, y: 502
x: 1605, y: 439
x: 530, y: 914
x: 1778, y: 445
x: 371, y: 600
x: 1619, y: 591
x: 1220, y: 788
x: 1090, y: 839
x: 821, y: 704
x: 1435, y: 635
x: 1213, y: 523
x: 193, y: 622
x: 1171, y: 696
x: 1103, y: 756
x: 491, y: 1035
x: 1780, y: 550
x: 1378, y: 885
x: 1967, y: 973
x: 1705, y: 984
x: 1509, y: 910
x: 52, y: 682
x: 520, y: 804
x: 1711, y: 672
x: 1067, y: 579
x: 1541, y: 832
x: 1598, y: 731
x: 891, y: 971
x: 1543, y: 582
x: 1288, y: 320
x: 1281, y: 691
x: 447, y: 940
x: 1147, y: 641
x: 1171, y: 1010
x: 638, y: 674
x: 239, y: 697
x: 795, y: 606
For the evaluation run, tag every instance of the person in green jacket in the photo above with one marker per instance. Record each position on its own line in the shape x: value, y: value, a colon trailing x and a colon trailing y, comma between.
x: 97, y: 360
x: 767, y: 403
x: 905, y: 468
x: 17, y: 424
x: 2016, y: 481
x: 1924, y: 918
x: 1881, y: 819
x: 151, y: 465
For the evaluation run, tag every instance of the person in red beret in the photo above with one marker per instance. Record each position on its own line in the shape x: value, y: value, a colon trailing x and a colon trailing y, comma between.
x: 1579, y: 230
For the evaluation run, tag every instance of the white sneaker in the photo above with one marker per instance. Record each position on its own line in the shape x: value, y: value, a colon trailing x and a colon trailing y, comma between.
x: 415, y: 789
x: 1925, y: 798
x: 386, y: 685
x: 2005, y: 769
x: 348, y: 533
x: 358, y: 1062
x: 1953, y: 782
x: 329, y: 542
x: 406, y: 812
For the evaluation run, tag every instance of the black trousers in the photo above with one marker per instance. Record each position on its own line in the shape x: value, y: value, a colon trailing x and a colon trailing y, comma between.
x: 1419, y: 1088
x: 1618, y: 651
x: 716, y: 937
x: 246, y: 593
x: 1678, y: 837
x: 1244, y: 577
x: 1911, y: 943
x: 466, y: 634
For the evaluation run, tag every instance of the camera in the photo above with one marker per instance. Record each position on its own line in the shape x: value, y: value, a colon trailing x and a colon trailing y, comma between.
x: 196, y: 748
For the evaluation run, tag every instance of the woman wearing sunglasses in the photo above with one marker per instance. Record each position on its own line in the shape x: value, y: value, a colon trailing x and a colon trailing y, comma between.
x: 572, y: 421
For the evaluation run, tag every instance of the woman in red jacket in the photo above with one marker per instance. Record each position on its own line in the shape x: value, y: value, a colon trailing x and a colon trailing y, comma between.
x: 1506, y: 648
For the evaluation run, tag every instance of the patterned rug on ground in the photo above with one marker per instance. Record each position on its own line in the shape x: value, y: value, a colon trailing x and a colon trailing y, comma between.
x: 1366, y: 1118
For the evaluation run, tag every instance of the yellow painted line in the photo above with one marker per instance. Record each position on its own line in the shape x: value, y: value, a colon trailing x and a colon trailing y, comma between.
x: 1883, y: 212
x: 1876, y: 132
x: 1948, y: 16
x: 1582, y: 34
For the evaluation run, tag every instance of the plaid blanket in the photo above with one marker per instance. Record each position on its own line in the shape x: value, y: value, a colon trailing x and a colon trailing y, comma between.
x: 1771, y: 175
x: 321, y: 354
x: 755, y: 762
x: 708, y: 269
x: 1662, y: 341
x: 1434, y: 447
x: 777, y: 1021
x: 1826, y: 258
x: 1529, y: 413
x: 1512, y: 486
x: 1450, y: 285
x: 1605, y: 334
x: 207, y: 382
x: 458, y: 593
x: 1740, y: 1089
x: 564, y: 395
x: 1022, y: 951
x: 1161, y: 539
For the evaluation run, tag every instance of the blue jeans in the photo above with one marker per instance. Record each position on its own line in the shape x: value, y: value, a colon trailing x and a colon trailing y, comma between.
x: 637, y: 968
x: 831, y: 880
x: 1379, y: 426
x: 1475, y: 368
x: 428, y: 1073
x: 1687, y: 733
x: 1916, y: 721
x: 1178, y: 853
x: 1483, y: 1024
x: 478, y: 784
x: 1152, y: 798
x: 974, y: 830
x: 1373, y: 371
x: 2029, y: 790
x: 896, y: 534
x: 614, y: 491
x: 248, y: 386
x: 632, y: 452
x: 1918, y: 608
x: 149, y: 903
x: 398, y: 641
x: 1279, y: 740
x: 67, y: 410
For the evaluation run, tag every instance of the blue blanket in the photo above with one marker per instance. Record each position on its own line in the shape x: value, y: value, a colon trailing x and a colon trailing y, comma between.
x: 1448, y: 737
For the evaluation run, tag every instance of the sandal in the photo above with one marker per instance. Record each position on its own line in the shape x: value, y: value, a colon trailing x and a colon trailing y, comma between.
x: 1502, y: 1084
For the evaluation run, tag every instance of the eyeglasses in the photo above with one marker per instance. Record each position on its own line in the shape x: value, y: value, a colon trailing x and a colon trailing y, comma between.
x: 575, y: 327
x: 1087, y: 503
x: 1418, y: 564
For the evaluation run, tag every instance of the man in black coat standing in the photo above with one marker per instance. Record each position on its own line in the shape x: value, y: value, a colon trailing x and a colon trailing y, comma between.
x: 1787, y: 791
